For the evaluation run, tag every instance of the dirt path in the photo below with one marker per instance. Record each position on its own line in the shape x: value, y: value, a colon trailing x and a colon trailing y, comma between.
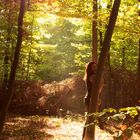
x: 72, y: 130
x: 49, y: 128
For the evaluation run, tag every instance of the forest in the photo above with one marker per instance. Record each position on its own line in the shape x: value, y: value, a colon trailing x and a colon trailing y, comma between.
x: 45, y: 46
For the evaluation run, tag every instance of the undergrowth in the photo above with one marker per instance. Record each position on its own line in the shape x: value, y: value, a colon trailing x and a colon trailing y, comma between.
x: 121, y: 123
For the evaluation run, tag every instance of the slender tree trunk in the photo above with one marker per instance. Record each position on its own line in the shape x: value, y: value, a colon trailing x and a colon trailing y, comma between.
x: 13, y: 67
x: 7, y: 53
x: 100, y: 32
x: 30, y: 51
x: 6, y: 68
x: 110, y: 95
x: 107, y: 97
x: 94, y: 32
x: 108, y: 55
x: 94, y: 38
x: 28, y: 65
x: 90, y: 131
x: 138, y: 86
x: 138, y: 76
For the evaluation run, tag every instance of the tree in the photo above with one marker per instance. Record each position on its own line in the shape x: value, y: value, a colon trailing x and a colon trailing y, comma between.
x: 138, y: 75
x: 94, y: 32
x: 9, y: 93
x: 8, y: 15
x: 90, y: 131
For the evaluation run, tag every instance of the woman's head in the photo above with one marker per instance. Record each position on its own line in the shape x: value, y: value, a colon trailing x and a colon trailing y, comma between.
x: 91, y: 65
x: 90, y: 69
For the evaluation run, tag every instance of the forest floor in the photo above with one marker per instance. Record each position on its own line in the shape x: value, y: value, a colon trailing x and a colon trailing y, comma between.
x: 48, y: 128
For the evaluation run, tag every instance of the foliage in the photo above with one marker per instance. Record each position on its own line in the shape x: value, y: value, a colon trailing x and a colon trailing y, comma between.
x: 132, y: 111
x: 8, y: 25
x: 57, y: 37
x: 122, y: 120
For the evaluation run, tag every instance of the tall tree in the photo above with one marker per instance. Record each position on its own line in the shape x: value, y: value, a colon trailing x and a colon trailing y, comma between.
x: 9, y: 9
x: 9, y: 93
x: 7, y: 54
x: 90, y: 131
x: 30, y: 50
x: 108, y: 56
x: 94, y: 32
x: 138, y: 77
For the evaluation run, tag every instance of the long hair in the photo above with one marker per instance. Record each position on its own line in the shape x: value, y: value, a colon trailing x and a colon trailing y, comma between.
x: 89, y: 71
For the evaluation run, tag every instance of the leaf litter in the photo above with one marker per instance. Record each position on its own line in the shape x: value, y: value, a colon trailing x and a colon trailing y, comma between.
x: 48, y: 128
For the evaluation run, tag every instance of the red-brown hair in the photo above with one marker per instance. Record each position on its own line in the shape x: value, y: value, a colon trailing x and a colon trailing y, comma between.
x: 89, y: 71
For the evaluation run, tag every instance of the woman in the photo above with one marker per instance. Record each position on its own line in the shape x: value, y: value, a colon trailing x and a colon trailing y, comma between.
x: 89, y: 79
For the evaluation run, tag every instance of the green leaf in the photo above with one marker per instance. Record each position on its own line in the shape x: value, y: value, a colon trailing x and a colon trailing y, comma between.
x: 128, y: 132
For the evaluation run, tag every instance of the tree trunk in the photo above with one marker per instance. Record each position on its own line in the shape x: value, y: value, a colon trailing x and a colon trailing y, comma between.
x: 9, y: 93
x: 6, y: 68
x: 94, y: 32
x: 30, y: 51
x: 138, y: 76
x: 108, y: 55
x: 6, y: 60
x: 90, y: 131
x: 100, y: 31
x: 94, y: 38
x: 28, y: 65
x: 107, y: 96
